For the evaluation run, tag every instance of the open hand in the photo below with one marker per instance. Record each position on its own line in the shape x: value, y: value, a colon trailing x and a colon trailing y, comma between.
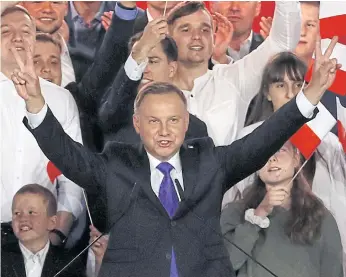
x: 324, y: 72
x: 223, y: 36
x: 26, y: 81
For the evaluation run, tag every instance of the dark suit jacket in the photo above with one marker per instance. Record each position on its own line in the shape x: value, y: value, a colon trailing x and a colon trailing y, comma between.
x: 140, y: 23
x: 143, y: 234
x: 81, y: 62
x: 257, y: 40
x: 116, y: 110
x: 12, y: 263
x: 88, y: 92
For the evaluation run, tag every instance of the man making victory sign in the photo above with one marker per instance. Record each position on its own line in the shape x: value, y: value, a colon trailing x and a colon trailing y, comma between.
x: 164, y: 195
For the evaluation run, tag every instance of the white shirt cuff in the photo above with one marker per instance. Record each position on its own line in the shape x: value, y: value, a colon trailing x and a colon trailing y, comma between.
x: 36, y: 119
x: 304, y: 105
x: 133, y: 70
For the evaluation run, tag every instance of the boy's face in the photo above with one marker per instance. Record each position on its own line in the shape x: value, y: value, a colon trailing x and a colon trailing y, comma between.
x: 30, y: 221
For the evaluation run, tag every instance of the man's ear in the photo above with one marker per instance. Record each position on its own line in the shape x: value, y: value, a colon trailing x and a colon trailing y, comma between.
x: 173, y: 66
x: 52, y: 222
x: 136, y: 122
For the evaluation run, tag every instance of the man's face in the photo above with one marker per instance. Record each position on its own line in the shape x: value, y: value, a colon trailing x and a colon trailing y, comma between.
x: 30, y: 221
x: 49, y: 15
x: 162, y: 121
x: 17, y: 31
x: 194, y: 37
x: 160, y: 5
x: 47, y: 62
x: 240, y: 13
x: 309, y: 30
x: 159, y: 68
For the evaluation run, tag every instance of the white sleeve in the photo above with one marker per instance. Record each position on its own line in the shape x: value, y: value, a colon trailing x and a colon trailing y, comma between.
x: 133, y: 70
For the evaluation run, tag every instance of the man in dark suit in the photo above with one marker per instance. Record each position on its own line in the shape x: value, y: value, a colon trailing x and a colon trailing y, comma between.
x: 86, y: 34
x: 164, y: 195
x: 34, y: 210
x: 116, y: 108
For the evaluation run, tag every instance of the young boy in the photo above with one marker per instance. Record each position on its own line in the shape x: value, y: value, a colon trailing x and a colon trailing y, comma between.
x: 34, y: 210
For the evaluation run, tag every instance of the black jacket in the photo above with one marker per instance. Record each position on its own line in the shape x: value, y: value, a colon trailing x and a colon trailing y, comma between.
x: 143, y: 234
x: 12, y: 263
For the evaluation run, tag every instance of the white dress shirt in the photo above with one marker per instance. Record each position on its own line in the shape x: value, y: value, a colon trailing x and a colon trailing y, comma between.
x: 221, y: 96
x: 243, y: 51
x: 67, y: 70
x: 34, y: 262
x: 329, y: 182
x: 22, y: 161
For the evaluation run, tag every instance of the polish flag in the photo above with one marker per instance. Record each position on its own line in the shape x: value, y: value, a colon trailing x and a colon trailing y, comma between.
x: 341, y: 112
x: 52, y: 172
x: 309, y: 137
x: 332, y: 23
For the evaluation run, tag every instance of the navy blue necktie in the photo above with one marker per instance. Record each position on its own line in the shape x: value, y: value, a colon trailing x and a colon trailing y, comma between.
x: 169, y: 199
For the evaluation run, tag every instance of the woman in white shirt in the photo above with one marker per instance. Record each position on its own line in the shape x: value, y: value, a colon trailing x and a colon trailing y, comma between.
x: 282, y: 79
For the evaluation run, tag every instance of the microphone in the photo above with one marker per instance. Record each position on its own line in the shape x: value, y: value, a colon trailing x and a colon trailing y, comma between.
x: 122, y: 213
x: 182, y: 197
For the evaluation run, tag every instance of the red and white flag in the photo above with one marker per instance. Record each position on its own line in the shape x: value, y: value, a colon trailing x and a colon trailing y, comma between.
x: 309, y: 137
x: 341, y: 112
x: 333, y: 23
x: 53, y: 172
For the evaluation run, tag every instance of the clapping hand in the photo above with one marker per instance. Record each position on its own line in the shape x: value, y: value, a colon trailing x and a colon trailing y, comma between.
x: 324, y: 72
x: 223, y: 36
x: 266, y: 25
x: 26, y: 81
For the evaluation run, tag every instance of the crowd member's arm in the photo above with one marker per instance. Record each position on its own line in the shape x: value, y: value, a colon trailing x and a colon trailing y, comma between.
x: 246, y: 74
x: 119, y: 98
x: 247, y: 155
x: 109, y: 58
x: 239, y: 231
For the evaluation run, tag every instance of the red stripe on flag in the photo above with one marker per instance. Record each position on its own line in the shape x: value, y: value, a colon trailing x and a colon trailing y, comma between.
x: 342, y: 135
x: 306, y: 141
x: 339, y: 85
x: 52, y: 171
x: 333, y: 26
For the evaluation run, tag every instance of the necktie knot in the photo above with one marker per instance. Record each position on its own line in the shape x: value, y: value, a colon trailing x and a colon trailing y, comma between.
x: 165, y: 168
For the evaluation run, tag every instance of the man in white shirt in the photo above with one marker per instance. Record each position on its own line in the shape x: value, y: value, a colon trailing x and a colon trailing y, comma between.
x: 241, y: 14
x: 22, y: 161
x: 220, y: 97
x: 49, y: 18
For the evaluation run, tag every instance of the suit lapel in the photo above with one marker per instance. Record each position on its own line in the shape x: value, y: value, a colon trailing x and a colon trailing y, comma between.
x: 256, y: 41
x: 17, y: 259
x: 51, y: 266
x: 189, y: 163
x: 142, y: 169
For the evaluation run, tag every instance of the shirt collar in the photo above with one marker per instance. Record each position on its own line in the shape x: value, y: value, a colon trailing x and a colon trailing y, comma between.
x: 246, y: 44
x: 40, y: 254
x: 3, y: 77
x: 98, y: 15
x: 174, y: 161
x: 150, y: 18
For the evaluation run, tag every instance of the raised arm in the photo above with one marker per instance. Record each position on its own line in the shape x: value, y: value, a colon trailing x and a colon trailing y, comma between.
x: 109, y: 58
x: 119, y: 99
x: 246, y: 74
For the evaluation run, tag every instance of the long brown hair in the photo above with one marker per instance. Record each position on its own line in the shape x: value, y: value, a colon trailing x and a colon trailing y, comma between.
x: 306, y: 213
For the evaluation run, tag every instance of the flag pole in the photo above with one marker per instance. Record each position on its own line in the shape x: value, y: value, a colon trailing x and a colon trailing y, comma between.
x: 87, y: 206
x: 164, y: 12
